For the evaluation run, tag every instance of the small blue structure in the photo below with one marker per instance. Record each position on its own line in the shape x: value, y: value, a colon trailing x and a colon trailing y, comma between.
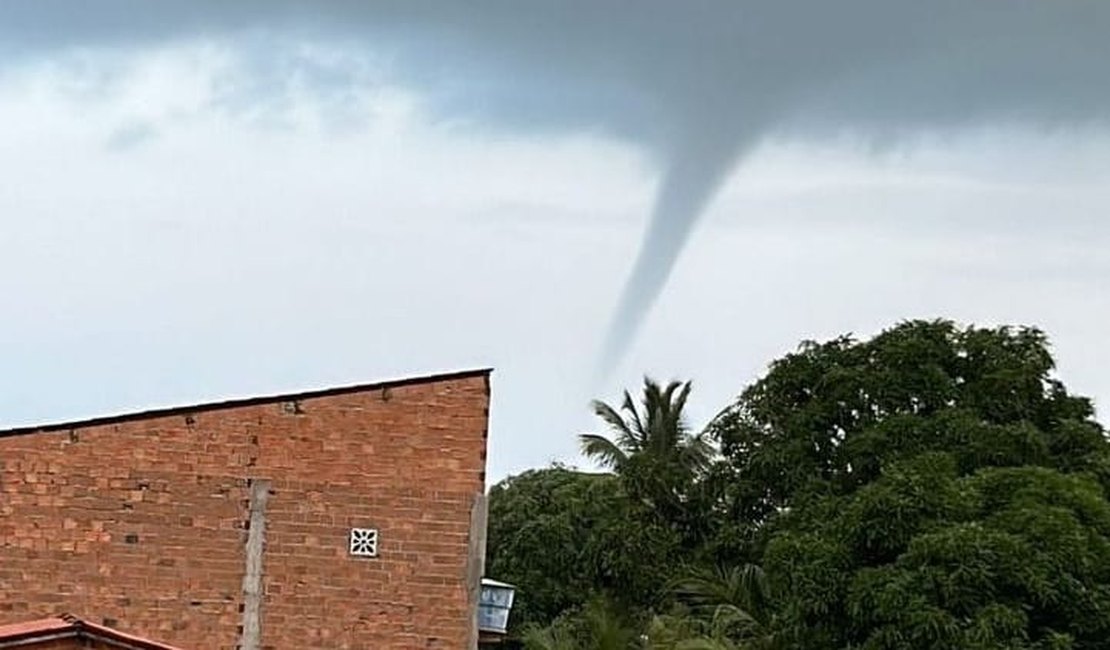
x: 494, y: 605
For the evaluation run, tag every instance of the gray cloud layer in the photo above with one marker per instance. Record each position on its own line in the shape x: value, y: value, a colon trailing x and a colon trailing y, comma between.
x: 697, y: 83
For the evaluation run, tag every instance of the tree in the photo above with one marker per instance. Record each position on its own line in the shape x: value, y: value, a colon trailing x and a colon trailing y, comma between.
x: 1015, y: 557
x: 652, y: 449
x: 565, y: 538
x: 719, y: 609
x: 828, y: 417
x: 596, y: 626
x: 933, y: 487
x: 735, y: 601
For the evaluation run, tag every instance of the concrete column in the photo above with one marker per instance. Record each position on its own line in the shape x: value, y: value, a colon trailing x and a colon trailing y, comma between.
x: 251, y: 638
x: 476, y: 562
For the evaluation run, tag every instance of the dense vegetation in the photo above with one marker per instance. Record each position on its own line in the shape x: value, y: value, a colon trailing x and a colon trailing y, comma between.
x: 933, y: 487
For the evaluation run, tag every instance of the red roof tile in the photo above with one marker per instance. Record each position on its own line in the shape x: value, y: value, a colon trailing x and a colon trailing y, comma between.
x: 67, y: 626
x: 41, y: 627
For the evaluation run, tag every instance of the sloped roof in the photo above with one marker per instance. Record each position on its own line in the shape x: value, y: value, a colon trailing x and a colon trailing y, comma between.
x: 249, y: 401
x: 70, y: 627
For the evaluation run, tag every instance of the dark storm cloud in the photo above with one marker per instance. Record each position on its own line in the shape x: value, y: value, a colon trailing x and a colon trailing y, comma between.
x: 697, y: 83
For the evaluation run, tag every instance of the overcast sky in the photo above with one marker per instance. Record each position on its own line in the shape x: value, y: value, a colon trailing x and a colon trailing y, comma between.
x: 201, y: 202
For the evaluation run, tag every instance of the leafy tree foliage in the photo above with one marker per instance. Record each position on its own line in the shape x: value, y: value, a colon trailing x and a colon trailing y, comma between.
x: 1015, y: 557
x: 932, y: 487
x: 595, y: 626
x: 827, y: 418
x: 719, y: 609
x: 565, y: 538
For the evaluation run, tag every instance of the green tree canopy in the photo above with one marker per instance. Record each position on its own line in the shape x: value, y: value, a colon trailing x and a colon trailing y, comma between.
x: 1015, y: 557
x: 565, y: 538
x: 829, y: 416
x: 933, y: 487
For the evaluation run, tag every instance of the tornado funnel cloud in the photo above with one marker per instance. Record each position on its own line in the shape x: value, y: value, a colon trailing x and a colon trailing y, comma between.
x: 692, y: 84
x: 689, y: 183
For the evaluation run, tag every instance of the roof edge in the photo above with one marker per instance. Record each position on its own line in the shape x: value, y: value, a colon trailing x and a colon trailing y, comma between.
x: 13, y: 634
x: 246, y: 401
x: 68, y: 626
x: 115, y: 637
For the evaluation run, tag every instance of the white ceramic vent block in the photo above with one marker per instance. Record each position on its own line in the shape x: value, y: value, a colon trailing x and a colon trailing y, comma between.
x: 364, y: 542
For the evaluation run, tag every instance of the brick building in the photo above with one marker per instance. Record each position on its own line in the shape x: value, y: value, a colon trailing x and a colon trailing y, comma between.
x: 342, y: 518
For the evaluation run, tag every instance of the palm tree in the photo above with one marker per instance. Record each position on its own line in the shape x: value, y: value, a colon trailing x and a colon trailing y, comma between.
x: 595, y: 627
x: 733, y: 604
x: 742, y: 588
x: 552, y: 637
x: 653, y: 452
x: 656, y: 430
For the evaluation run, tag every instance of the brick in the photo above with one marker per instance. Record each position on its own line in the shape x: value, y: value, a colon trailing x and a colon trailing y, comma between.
x: 143, y: 519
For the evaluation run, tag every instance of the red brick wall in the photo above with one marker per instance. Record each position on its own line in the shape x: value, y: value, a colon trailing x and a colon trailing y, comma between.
x: 142, y: 521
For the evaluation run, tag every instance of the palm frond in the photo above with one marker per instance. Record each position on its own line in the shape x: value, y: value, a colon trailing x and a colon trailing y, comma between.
x: 608, y: 630
x: 611, y: 417
x: 627, y: 438
x: 656, y: 427
x: 678, y: 407
x: 742, y: 588
x: 553, y: 637
x: 629, y: 407
x: 603, y: 450
x: 697, y: 453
